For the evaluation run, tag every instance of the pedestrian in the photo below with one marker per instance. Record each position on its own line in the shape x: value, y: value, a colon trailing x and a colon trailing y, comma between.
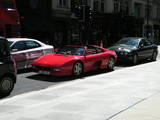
x: 104, y: 40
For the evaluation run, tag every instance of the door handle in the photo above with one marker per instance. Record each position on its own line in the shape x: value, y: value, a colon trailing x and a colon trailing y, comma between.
x: 39, y: 51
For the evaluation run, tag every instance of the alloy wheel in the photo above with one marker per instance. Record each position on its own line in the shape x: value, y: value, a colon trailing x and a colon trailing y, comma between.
x: 77, y: 69
x: 135, y: 59
x: 154, y: 56
x: 111, y: 63
x: 6, y: 85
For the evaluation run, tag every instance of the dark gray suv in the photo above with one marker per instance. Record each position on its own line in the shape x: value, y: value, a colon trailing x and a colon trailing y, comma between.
x: 7, y: 68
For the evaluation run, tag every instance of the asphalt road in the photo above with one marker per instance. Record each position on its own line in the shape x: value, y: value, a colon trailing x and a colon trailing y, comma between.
x: 101, y: 96
x: 27, y: 81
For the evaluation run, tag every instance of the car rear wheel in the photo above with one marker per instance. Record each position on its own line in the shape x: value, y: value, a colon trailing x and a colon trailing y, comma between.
x: 135, y: 59
x: 6, y: 85
x: 154, y: 56
x: 77, y: 69
x: 111, y: 63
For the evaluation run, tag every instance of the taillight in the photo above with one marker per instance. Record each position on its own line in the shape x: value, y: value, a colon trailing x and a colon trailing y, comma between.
x: 56, y: 50
x: 14, y: 63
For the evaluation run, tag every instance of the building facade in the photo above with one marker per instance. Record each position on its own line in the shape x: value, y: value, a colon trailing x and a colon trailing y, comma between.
x: 57, y: 22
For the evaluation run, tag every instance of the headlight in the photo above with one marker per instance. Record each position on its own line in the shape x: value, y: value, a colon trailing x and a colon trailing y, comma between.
x: 125, y: 53
x: 56, y: 69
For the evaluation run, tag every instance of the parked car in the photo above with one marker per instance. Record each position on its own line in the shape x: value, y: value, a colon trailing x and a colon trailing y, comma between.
x: 74, y: 60
x: 7, y: 68
x: 132, y: 49
x: 25, y: 50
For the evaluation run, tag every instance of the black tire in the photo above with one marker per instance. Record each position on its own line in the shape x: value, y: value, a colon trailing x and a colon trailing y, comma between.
x: 77, y: 69
x: 6, y: 85
x: 111, y: 63
x: 154, y: 56
x: 135, y: 59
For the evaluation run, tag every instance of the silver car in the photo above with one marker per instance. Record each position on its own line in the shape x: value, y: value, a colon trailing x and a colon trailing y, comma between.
x: 25, y: 50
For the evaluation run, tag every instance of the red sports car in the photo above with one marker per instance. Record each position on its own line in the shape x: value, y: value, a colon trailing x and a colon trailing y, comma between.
x: 74, y: 60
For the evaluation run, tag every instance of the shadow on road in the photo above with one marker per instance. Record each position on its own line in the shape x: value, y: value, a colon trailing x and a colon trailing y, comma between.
x: 49, y: 78
x: 125, y: 64
x: 3, y: 96
x: 24, y: 71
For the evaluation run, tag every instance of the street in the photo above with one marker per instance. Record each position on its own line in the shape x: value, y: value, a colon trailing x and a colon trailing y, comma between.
x: 27, y: 81
x: 125, y: 30
x: 95, y: 96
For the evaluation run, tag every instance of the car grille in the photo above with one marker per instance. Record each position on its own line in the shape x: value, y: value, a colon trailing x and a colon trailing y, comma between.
x: 120, y: 56
x: 44, y: 68
x: 118, y: 53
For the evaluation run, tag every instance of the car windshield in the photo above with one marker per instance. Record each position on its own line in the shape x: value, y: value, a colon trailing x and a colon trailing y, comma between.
x: 71, y: 50
x: 128, y: 42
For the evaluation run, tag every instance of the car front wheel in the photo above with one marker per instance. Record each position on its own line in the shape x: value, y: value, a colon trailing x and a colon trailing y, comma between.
x: 77, y: 69
x: 6, y: 85
x: 154, y: 56
x: 111, y: 63
x: 135, y: 59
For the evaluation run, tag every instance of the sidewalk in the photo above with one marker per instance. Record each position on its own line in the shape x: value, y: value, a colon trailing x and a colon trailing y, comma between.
x: 148, y: 109
x: 131, y: 93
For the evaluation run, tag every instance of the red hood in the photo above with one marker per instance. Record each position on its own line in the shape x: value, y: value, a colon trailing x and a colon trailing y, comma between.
x: 54, y: 59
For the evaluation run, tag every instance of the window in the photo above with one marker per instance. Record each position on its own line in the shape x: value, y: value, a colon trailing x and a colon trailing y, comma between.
x: 141, y: 44
x: 1, y: 32
x: 32, y: 44
x: 71, y: 50
x: 116, y: 7
x: 147, y: 42
x: 8, y: 4
x: 138, y: 9
x: 102, y: 5
x: 98, y: 5
x: 91, y: 49
x: 19, y: 45
x: 3, y: 49
x: 95, y: 6
x: 99, y: 50
x: 147, y: 11
x: 63, y: 3
x: 158, y: 11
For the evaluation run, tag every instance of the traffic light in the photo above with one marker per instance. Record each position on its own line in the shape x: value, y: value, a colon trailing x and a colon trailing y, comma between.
x: 88, y: 13
x: 84, y: 13
x: 81, y: 12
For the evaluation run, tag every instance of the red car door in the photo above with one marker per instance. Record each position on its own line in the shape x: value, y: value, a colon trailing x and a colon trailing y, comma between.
x: 93, y: 60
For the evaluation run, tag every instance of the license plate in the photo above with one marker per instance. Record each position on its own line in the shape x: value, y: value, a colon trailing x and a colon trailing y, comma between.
x: 44, y: 72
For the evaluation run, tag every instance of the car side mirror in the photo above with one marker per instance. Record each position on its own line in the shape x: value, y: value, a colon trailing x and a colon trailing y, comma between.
x: 14, y: 50
x: 142, y: 45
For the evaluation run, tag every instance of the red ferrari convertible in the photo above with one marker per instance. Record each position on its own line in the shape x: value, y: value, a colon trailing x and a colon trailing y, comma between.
x: 75, y: 60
